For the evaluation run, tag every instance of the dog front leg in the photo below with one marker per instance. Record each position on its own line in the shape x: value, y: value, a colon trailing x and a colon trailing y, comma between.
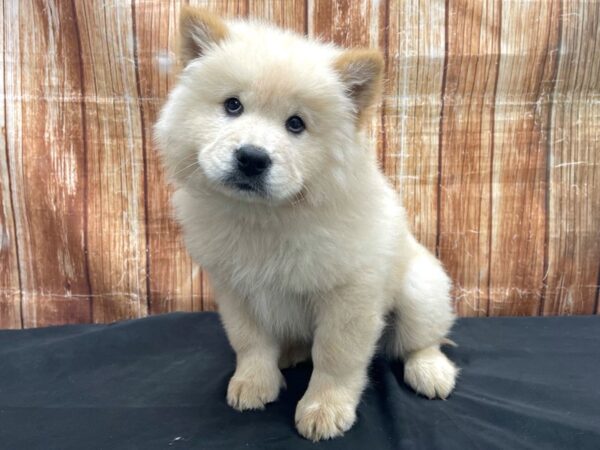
x: 257, y: 379
x: 349, y: 323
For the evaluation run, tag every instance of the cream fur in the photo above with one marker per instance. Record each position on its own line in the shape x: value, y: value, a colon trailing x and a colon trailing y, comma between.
x: 318, y: 265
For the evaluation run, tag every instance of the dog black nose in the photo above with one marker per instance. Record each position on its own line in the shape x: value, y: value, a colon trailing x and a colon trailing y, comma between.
x: 251, y: 160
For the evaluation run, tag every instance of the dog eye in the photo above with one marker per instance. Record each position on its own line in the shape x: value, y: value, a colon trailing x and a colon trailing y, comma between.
x: 233, y: 106
x: 295, y: 125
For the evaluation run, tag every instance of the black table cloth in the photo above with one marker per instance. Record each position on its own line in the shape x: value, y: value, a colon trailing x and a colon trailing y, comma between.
x: 160, y: 382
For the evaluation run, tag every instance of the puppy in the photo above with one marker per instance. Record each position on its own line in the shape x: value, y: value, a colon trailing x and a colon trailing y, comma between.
x: 281, y: 200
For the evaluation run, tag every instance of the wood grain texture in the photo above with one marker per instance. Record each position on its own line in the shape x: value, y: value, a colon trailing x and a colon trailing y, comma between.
x: 472, y: 56
x: 225, y: 8
x: 112, y: 128
x: 489, y: 129
x: 574, y: 166
x: 46, y: 160
x: 289, y: 14
x: 346, y: 22
x: 10, y: 286
x: 415, y: 44
x: 526, y: 74
x: 174, y: 281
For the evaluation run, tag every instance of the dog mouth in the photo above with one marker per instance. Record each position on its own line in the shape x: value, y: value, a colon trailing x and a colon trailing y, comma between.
x: 251, y: 187
x: 245, y: 186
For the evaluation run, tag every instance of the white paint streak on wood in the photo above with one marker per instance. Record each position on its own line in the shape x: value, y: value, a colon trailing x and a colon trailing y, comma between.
x: 10, y: 300
x: 116, y: 216
x: 524, y: 85
x: 574, y: 193
x: 415, y: 70
x: 12, y: 185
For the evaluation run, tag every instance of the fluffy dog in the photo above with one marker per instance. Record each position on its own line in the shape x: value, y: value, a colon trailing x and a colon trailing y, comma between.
x: 281, y: 200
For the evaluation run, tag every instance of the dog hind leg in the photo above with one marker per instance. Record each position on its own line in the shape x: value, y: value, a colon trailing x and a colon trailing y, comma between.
x: 422, y: 317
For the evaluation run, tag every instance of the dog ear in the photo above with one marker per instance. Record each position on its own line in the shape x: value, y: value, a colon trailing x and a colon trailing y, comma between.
x: 361, y: 70
x: 199, y: 30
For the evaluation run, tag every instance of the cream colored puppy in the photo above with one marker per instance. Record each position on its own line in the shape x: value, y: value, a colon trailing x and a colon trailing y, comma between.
x: 281, y: 201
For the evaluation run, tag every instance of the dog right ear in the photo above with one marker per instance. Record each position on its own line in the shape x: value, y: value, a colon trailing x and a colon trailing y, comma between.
x: 361, y: 71
x: 199, y: 30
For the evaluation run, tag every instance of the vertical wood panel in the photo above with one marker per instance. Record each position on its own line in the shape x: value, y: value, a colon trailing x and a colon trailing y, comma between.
x: 225, y: 8
x: 115, y: 161
x: 415, y: 62
x: 574, y: 216
x: 174, y: 280
x: 289, y: 14
x: 46, y: 159
x: 347, y: 23
x: 472, y: 40
x: 529, y: 41
x: 10, y: 289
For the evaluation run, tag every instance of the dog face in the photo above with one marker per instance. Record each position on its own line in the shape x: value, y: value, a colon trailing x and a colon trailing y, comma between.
x: 261, y: 114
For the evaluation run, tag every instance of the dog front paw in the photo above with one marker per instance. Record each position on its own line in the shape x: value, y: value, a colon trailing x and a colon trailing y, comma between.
x: 324, y: 418
x: 430, y: 373
x: 254, y: 392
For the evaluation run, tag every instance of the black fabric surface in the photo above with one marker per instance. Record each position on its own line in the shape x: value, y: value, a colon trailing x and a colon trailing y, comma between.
x: 160, y: 382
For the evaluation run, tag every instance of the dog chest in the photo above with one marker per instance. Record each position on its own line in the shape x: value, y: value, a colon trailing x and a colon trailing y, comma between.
x: 298, y: 261
x: 297, y: 254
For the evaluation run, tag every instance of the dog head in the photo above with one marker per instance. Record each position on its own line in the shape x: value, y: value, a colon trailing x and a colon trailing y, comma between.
x: 261, y: 114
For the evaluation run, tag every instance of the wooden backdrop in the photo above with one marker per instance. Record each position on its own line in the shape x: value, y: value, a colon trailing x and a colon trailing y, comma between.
x: 490, y: 129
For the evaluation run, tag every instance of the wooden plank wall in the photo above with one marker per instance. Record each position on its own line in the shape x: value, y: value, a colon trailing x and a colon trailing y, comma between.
x: 489, y: 129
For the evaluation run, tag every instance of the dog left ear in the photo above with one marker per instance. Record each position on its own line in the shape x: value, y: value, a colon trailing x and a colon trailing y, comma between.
x: 199, y: 30
x: 361, y: 70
